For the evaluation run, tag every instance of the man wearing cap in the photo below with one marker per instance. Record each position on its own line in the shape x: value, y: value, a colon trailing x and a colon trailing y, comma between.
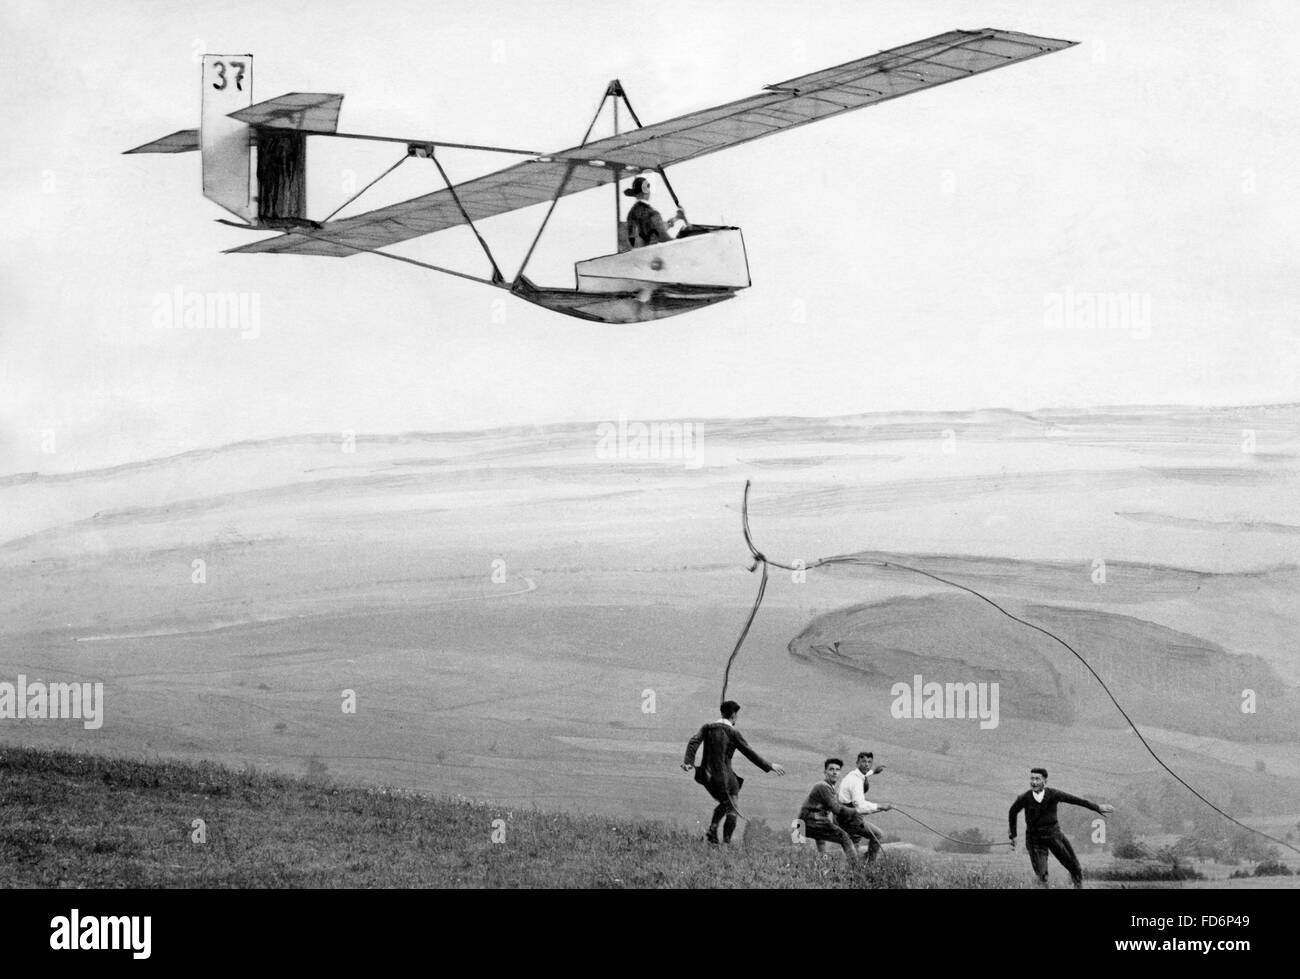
x: 721, y: 740
x: 644, y: 224
x: 1042, y: 832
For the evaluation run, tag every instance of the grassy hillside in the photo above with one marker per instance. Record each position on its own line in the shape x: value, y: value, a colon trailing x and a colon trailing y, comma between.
x: 528, y: 622
x: 69, y: 820
x: 1168, y: 679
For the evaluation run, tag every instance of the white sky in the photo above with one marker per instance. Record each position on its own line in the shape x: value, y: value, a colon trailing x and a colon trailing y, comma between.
x: 922, y: 239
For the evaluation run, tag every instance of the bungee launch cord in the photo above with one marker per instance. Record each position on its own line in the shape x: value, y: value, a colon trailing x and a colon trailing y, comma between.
x: 761, y: 560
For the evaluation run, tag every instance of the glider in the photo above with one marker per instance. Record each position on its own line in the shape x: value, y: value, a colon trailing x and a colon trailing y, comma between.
x: 254, y: 163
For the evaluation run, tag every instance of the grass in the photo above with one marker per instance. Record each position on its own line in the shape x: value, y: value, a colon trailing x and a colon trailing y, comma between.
x: 73, y: 820
x: 1146, y: 871
x: 1265, y: 868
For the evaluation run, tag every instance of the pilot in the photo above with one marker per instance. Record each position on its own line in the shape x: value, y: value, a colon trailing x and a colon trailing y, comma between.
x: 644, y: 224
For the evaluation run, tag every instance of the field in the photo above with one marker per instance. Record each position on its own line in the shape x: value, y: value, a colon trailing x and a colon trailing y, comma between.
x: 184, y: 825
x: 270, y: 831
x: 539, y: 617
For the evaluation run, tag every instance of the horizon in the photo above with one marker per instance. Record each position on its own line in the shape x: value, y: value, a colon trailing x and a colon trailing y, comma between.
x: 993, y: 462
x: 569, y: 425
x: 1098, y: 227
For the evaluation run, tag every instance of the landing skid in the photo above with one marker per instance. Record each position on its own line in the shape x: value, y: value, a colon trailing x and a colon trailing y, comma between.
x: 621, y: 307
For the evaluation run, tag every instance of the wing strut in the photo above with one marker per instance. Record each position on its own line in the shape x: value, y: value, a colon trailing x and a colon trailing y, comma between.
x: 426, y: 150
x: 615, y: 92
x: 497, y: 277
x: 609, y: 90
x: 568, y: 172
x: 620, y: 229
x: 659, y: 170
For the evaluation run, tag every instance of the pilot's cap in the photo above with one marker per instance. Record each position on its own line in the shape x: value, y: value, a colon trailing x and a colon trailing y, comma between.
x: 640, y: 186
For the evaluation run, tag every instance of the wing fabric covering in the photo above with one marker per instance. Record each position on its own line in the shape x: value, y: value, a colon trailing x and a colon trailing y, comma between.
x: 796, y: 102
x: 181, y: 141
x: 855, y: 85
x: 310, y: 112
x: 521, y: 185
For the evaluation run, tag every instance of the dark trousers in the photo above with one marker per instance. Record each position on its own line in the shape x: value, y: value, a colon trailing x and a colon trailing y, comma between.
x: 727, y: 809
x: 856, y: 825
x: 830, y: 832
x: 1059, y: 846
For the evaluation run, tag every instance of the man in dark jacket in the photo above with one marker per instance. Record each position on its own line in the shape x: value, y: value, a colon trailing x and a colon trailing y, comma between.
x: 645, y: 226
x: 721, y: 740
x: 1042, y: 832
x: 823, y: 815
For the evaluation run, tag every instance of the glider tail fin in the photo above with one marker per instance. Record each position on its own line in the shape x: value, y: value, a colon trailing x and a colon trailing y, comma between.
x: 254, y: 156
x: 226, y: 143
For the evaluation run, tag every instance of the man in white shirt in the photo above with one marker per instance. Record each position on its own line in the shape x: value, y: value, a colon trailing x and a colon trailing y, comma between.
x: 852, y: 792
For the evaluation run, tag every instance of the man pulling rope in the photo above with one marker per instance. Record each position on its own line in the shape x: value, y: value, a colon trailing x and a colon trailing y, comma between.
x: 760, y: 560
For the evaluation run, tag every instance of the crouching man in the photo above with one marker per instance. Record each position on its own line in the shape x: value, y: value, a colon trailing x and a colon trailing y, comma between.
x: 822, y: 810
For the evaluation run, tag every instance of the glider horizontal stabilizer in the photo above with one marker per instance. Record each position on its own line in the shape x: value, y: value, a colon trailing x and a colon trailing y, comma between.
x: 310, y: 112
x: 181, y: 141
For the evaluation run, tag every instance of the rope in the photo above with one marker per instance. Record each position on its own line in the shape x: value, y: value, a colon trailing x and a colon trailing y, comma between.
x: 760, y: 558
x: 937, y: 833
x: 758, y: 599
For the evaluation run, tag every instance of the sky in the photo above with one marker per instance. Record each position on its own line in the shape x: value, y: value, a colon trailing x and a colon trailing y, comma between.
x: 1114, y: 224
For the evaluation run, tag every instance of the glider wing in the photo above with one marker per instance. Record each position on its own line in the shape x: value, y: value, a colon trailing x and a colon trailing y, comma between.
x: 854, y: 85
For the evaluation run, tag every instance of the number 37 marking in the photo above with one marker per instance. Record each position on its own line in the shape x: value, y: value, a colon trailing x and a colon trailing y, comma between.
x: 220, y: 67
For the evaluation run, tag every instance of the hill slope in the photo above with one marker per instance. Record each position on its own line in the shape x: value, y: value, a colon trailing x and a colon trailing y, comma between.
x: 271, y: 831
